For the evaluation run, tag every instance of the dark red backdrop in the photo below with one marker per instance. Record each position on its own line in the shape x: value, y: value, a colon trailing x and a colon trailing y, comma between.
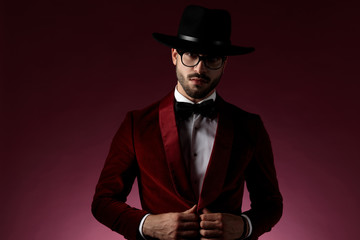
x: 72, y: 69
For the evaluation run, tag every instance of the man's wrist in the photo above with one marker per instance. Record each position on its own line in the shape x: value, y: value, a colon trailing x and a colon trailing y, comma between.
x: 141, y: 226
x: 247, y: 227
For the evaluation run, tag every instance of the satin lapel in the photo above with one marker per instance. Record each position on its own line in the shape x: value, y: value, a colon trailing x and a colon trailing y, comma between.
x: 173, y: 153
x: 219, y: 160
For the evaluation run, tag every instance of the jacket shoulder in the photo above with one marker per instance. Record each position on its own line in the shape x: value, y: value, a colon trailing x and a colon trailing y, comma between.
x: 238, y: 112
x: 151, y: 112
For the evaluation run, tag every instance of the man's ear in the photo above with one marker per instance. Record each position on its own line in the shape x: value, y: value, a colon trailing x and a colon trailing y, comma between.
x: 174, y: 55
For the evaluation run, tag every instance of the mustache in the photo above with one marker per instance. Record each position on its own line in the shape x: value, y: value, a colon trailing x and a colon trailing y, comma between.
x: 197, y: 75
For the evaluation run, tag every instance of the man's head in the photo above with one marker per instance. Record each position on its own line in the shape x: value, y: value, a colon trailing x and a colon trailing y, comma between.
x: 197, y: 74
x: 204, y: 39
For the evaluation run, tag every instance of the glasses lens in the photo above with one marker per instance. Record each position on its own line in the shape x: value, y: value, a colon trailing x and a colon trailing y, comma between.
x: 213, y: 62
x: 190, y: 59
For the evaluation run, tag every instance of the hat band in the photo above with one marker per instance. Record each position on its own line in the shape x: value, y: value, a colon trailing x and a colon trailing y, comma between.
x: 197, y: 40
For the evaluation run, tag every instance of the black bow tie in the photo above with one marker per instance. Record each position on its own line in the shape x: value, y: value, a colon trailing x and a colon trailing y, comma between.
x: 206, y: 109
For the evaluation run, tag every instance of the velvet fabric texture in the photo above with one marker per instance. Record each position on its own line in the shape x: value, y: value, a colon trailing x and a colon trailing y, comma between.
x: 147, y: 147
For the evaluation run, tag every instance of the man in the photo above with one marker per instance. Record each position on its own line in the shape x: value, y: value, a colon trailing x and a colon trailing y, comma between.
x: 191, y: 151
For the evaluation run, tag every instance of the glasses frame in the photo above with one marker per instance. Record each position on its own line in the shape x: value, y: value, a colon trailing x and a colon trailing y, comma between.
x: 201, y: 58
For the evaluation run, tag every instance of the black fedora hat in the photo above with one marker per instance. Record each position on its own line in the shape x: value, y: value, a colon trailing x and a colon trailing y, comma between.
x: 203, y: 30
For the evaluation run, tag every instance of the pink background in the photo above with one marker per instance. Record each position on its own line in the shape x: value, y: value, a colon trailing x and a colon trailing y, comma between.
x: 72, y: 69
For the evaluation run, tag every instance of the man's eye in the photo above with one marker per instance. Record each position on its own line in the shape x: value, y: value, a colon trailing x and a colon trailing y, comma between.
x: 213, y: 59
x: 191, y: 55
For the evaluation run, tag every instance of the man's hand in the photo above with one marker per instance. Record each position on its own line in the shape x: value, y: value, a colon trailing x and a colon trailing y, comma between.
x: 170, y: 226
x: 220, y: 225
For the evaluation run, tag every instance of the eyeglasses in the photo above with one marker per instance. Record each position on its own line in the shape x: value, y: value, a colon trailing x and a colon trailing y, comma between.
x: 189, y: 59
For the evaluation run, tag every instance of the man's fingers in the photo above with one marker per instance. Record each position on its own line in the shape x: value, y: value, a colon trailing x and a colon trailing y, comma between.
x: 188, y: 234
x: 188, y: 217
x: 191, y: 210
x: 211, y: 217
x: 211, y: 225
x: 214, y: 233
x: 189, y: 226
x: 205, y: 210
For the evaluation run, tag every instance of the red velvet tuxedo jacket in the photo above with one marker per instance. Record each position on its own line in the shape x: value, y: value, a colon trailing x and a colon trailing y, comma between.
x: 147, y: 147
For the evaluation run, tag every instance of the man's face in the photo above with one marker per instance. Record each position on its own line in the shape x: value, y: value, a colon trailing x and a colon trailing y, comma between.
x: 198, y: 82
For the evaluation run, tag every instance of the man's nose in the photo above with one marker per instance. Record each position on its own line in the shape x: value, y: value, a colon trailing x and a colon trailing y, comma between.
x: 200, y: 67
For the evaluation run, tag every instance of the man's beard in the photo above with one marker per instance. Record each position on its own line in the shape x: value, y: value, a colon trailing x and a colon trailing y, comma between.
x: 199, y: 92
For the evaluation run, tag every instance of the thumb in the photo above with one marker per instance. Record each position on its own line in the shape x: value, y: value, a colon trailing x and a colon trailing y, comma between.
x: 191, y: 210
x: 205, y: 211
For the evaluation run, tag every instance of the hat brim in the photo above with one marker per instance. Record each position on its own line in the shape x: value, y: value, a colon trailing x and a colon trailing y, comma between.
x: 196, y: 47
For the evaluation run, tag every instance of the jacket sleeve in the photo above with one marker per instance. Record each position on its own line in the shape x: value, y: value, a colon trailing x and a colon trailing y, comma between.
x: 260, y: 176
x: 115, y: 183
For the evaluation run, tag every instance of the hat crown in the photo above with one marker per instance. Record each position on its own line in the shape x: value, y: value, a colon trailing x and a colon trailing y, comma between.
x: 205, y: 31
x: 206, y: 25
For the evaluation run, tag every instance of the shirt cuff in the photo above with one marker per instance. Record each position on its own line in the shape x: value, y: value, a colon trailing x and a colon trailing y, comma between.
x: 142, y: 224
x: 249, y: 223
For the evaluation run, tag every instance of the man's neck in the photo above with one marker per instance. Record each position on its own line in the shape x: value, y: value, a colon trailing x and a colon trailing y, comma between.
x: 183, y: 98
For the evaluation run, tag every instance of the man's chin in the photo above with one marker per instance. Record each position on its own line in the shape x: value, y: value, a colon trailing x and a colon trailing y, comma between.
x: 197, y: 94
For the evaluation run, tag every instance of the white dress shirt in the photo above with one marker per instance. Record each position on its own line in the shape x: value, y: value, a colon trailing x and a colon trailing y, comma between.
x: 197, y: 136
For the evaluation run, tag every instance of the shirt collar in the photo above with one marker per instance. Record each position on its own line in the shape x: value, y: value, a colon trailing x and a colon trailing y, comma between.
x: 181, y: 98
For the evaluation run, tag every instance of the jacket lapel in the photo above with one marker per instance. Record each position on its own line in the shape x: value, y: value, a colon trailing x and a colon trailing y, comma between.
x: 170, y: 137
x: 220, y: 157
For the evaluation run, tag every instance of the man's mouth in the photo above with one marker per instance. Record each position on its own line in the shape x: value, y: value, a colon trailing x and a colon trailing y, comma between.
x: 199, y: 78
